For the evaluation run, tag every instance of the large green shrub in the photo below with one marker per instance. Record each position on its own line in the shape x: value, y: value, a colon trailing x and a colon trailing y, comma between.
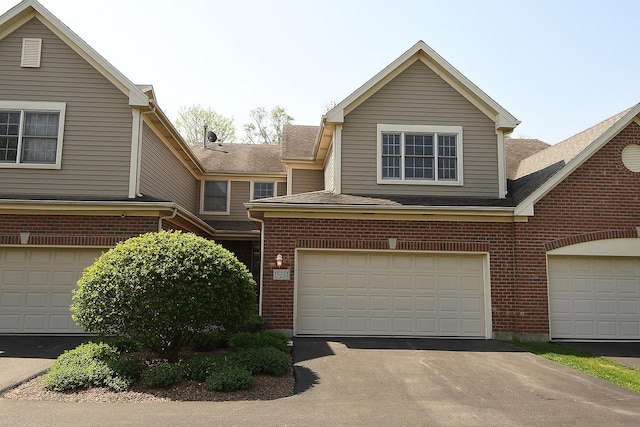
x: 91, y: 364
x: 263, y: 360
x: 161, y: 289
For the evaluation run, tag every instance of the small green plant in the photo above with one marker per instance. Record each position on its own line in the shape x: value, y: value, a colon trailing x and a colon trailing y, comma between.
x: 90, y: 364
x: 123, y: 345
x: 253, y: 324
x: 263, y: 360
x: 207, y: 341
x: 199, y: 367
x: 261, y: 339
x: 230, y: 378
x: 161, y: 375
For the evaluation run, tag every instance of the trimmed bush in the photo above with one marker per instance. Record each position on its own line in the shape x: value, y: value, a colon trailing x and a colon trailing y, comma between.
x: 90, y: 364
x: 161, y: 289
x: 230, y: 378
x: 198, y: 368
x: 123, y: 345
x: 261, y: 339
x: 207, y: 341
x: 161, y: 375
x: 264, y: 360
x: 253, y: 324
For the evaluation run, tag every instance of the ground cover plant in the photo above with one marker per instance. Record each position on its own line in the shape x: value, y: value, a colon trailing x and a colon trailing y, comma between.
x: 600, y: 367
x: 113, y: 367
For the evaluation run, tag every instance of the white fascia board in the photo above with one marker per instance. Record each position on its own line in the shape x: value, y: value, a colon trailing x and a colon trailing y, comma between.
x: 136, y: 96
x: 469, y: 210
x: 526, y: 207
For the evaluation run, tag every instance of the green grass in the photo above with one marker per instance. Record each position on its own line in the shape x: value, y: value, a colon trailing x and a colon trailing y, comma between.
x: 600, y: 367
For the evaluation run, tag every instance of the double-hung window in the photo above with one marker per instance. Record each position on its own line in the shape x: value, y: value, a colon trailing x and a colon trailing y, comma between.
x: 31, y: 134
x: 215, y: 197
x: 262, y: 190
x: 411, y: 154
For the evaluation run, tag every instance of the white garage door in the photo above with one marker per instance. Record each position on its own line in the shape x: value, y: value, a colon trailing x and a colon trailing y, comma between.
x: 594, y: 297
x: 35, y: 292
x: 389, y: 294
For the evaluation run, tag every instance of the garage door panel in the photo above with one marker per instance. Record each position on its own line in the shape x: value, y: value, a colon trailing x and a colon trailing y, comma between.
x: 391, y: 294
x: 604, y: 299
x: 35, y: 293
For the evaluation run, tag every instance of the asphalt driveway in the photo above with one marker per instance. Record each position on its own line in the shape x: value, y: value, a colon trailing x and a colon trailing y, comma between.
x: 386, y: 382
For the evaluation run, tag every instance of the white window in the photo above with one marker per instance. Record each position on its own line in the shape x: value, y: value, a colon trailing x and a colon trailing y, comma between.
x: 215, y: 197
x: 411, y: 154
x: 31, y: 134
x: 263, y: 190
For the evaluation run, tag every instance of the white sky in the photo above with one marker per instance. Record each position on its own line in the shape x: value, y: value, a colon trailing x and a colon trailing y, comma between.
x: 559, y: 66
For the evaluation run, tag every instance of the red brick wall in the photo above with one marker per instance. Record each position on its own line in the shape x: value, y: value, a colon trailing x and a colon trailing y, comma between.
x: 73, y: 229
x: 601, y: 199
x: 285, y: 235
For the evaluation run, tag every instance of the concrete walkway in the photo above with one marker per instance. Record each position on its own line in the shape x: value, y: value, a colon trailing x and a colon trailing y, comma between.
x: 25, y: 357
x: 399, y: 382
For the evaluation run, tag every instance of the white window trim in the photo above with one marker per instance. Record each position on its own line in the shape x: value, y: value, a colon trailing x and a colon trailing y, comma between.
x: 202, y: 211
x: 275, y: 188
x: 53, y: 107
x: 385, y: 128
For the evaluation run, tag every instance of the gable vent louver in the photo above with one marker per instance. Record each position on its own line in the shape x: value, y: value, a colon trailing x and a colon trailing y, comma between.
x: 631, y: 157
x: 31, y: 49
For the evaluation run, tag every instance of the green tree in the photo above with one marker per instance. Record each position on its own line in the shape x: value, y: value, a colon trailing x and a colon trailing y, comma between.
x: 161, y: 289
x: 266, y: 126
x: 191, y: 120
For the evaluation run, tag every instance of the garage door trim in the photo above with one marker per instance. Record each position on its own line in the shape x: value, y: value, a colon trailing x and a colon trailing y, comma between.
x: 485, y: 267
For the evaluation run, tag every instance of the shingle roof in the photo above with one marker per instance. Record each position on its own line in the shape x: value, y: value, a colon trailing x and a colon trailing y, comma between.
x: 240, y: 158
x: 566, y: 150
x: 299, y: 141
x: 517, y: 150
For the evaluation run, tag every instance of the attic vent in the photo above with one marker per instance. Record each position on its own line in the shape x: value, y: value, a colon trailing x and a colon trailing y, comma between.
x: 31, y: 49
x: 631, y: 157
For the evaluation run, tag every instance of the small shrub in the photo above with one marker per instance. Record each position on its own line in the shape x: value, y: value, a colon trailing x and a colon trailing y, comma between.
x: 123, y: 345
x: 255, y: 323
x: 230, y: 378
x: 96, y: 364
x: 261, y: 339
x: 161, y: 375
x: 207, y: 341
x: 264, y: 360
x: 198, y: 368
x: 124, y: 367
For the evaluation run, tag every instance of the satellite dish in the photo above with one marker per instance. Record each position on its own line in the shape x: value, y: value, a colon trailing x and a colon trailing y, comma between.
x: 211, y: 136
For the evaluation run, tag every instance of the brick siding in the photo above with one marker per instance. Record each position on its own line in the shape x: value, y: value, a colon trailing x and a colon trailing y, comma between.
x: 600, y: 200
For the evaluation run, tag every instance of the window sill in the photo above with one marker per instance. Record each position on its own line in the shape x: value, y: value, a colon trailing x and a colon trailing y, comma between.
x: 30, y: 166
x: 419, y: 182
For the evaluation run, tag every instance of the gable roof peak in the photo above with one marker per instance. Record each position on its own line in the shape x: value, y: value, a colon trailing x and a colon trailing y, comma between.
x: 27, y: 9
x: 420, y: 51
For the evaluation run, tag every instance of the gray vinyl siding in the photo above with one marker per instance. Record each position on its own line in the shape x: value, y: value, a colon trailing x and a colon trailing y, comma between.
x: 305, y: 180
x: 418, y: 96
x: 97, y: 129
x: 162, y: 175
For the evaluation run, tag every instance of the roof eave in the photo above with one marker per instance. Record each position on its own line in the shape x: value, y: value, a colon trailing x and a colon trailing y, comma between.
x: 526, y: 207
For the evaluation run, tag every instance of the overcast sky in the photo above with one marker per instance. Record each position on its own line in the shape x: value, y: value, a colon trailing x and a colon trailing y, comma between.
x: 559, y: 66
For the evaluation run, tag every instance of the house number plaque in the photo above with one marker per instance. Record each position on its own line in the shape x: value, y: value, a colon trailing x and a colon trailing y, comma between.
x: 281, y: 274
